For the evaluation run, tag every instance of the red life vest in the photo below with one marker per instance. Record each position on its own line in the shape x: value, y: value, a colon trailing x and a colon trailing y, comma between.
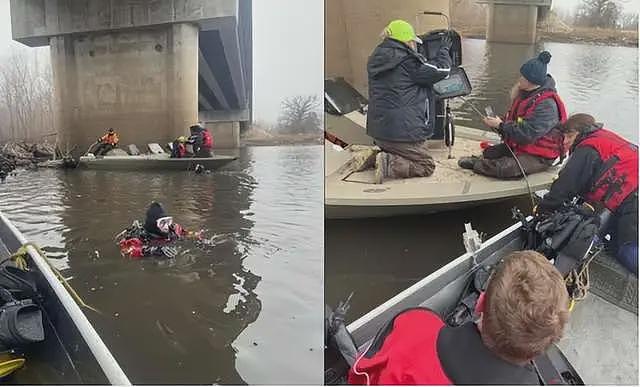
x: 182, y: 150
x: 620, y: 175
x: 207, y: 139
x: 408, y: 355
x: 550, y: 145
x: 416, y: 347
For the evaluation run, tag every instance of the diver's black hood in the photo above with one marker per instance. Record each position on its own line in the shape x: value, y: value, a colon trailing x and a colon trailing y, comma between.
x: 154, y: 212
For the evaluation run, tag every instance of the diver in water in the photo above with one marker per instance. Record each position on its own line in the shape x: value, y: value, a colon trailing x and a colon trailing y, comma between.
x: 154, y: 237
x: 159, y: 225
x: 158, y: 234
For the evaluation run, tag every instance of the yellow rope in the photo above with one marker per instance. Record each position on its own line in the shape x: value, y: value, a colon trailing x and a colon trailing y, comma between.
x: 580, y: 282
x: 21, y: 262
x: 10, y: 364
x: 18, y: 258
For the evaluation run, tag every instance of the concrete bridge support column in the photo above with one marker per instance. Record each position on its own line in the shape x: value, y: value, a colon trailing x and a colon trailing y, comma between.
x: 353, y: 27
x: 142, y: 82
x: 512, y: 23
x: 226, y: 135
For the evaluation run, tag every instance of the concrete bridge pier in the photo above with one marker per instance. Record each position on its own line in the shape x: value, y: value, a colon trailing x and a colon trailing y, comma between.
x: 143, y: 83
x: 148, y: 68
x: 514, y: 21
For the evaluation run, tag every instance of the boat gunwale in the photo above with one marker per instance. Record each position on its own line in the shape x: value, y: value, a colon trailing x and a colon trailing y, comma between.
x: 489, y: 244
x: 85, y: 159
x: 425, y: 200
x: 98, y: 348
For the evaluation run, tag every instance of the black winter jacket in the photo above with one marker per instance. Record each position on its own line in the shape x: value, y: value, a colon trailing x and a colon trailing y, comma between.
x: 578, y: 177
x: 401, y: 98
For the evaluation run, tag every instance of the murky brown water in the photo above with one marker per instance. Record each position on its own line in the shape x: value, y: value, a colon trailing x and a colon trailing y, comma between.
x: 377, y: 258
x: 246, y: 311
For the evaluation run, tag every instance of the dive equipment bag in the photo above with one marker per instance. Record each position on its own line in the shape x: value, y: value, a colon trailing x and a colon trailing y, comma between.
x: 432, y: 41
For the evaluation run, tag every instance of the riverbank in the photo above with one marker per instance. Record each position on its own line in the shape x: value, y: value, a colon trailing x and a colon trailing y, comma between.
x: 258, y: 137
x: 25, y: 153
x: 577, y: 35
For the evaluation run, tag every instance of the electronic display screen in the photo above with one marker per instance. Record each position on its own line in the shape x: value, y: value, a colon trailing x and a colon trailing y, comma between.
x: 456, y: 85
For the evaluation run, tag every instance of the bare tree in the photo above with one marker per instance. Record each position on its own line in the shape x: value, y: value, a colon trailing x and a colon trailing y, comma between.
x: 599, y: 13
x: 26, y: 91
x: 300, y: 114
x: 629, y: 21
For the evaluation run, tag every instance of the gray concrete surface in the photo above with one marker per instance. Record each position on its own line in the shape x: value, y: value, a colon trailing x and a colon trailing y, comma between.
x: 142, y: 82
x: 514, y: 21
x: 148, y: 68
x: 34, y: 21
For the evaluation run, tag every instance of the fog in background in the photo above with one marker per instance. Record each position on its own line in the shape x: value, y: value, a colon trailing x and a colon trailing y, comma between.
x: 288, y: 49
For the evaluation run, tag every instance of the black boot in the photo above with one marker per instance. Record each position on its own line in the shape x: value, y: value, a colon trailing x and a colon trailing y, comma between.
x: 468, y: 162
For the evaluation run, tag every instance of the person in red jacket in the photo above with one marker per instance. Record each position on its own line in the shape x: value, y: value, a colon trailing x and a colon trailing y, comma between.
x: 602, y: 170
x: 529, y: 128
x: 523, y: 311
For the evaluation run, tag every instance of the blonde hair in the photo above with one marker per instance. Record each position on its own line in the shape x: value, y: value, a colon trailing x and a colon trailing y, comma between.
x: 515, y: 91
x: 386, y: 32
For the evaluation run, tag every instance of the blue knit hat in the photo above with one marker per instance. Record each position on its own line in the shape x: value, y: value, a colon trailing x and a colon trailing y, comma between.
x: 535, y: 70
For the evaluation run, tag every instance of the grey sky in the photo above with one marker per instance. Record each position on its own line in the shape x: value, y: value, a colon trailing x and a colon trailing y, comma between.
x: 288, y: 51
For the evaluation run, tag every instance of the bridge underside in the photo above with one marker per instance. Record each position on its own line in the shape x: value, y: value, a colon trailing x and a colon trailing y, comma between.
x: 148, y: 68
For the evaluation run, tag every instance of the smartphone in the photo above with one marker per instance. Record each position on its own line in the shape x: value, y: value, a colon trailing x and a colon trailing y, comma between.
x: 489, y: 111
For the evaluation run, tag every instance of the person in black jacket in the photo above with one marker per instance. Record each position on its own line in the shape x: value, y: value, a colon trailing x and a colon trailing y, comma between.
x: 603, y: 171
x: 400, y: 116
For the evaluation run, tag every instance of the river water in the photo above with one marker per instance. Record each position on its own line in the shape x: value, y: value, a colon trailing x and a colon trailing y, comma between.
x: 248, y: 310
x: 377, y: 258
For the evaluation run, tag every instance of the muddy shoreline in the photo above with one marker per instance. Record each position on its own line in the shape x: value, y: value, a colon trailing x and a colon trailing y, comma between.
x: 269, y: 139
x: 578, y: 36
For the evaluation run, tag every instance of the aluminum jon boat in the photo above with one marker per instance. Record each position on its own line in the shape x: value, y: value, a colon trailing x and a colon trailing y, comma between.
x: 601, y: 340
x: 72, y: 351
x: 449, y: 188
x: 153, y: 162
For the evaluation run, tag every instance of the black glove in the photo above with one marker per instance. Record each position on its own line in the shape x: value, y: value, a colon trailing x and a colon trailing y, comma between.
x: 500, y: 131
x: 446, y: 41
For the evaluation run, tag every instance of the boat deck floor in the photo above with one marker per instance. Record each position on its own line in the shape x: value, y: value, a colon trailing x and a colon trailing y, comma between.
x: 601, y: 342
x: 449, y: 183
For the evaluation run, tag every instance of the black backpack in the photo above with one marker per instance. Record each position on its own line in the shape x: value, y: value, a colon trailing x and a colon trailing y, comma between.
x: 432, y: 41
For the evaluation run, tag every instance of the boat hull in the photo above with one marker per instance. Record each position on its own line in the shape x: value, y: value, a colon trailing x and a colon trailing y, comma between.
x: 72, y: 352
x: 136, y: 163
x: 342, y: 211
